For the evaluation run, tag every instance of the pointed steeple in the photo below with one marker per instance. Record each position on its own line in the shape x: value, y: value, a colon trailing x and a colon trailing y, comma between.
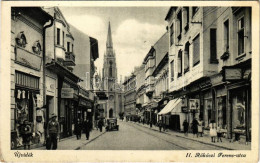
x: 109, y: 37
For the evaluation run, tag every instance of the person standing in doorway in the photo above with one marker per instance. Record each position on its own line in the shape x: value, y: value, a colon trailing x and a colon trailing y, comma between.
x: 87, y: 127
x: 100, y: 125
x: 53, y: 131
x: 151, y: 124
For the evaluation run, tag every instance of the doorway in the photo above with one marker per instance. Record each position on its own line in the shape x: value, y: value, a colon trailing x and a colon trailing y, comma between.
x: 111, y: 113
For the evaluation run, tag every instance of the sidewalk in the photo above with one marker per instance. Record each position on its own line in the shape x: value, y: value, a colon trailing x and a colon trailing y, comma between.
x: 72, y: 143
x: 226, y: 144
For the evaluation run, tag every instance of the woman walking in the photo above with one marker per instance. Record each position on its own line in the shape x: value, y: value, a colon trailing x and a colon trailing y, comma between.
x: 195, y: 127
x: 185, y: 127
x: 213, y: 131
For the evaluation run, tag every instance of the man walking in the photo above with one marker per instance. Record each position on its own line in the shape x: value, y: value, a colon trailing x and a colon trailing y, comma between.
x: 53, y: 129
x: 87, y: 127
x: 100, y: 125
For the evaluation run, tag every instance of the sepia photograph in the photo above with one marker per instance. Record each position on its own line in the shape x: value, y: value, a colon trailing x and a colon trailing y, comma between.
x: 122, y: 78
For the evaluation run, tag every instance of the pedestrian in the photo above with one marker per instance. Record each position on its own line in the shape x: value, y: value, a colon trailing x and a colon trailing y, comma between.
x: 143, y: 121
x: 151, y: 124
x: 219, y: 134
x: 87, y: 128
x: 160, y: 125
x: 78, y: 128
x: 212, y: 131
x: 185, y: 127
x: 195, y: 127
x: 53, y: 131
x: 200, y: 127
x: 100, y: 125
x: 26, y: 133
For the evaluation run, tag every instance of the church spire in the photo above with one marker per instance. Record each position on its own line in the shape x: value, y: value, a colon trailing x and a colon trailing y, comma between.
x: 109, y: 37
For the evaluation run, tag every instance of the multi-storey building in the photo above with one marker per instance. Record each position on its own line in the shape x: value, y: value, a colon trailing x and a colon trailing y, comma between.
x: 210, y: 61
x: 86, y: 49
x: 61, y: 83
x: 140, y: 90
x: 27, y: 77
x: 130, y: 97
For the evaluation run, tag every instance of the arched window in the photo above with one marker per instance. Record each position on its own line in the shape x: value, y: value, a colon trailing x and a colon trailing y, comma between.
x: 179, y: 63
x: 110, y: 69
x: 187, y: 57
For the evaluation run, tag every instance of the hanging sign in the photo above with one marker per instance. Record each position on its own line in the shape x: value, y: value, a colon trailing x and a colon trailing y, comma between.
x: 194, y: 104
x: 67, y: 92
x: 230, y: 74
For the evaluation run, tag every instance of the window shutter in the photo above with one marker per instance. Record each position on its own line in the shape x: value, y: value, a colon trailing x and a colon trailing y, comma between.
x: 196, y: 50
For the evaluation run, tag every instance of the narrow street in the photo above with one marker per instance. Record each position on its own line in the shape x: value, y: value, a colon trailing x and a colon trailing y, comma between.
x: 134, y: 137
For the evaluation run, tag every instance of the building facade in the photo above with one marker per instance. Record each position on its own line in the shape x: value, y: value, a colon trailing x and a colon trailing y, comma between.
x: 113, y: 89
x: 207, y: 45
x: 140, y: 91
x: 27, y: 77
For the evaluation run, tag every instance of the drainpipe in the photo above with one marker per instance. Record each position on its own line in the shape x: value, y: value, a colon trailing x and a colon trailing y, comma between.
x: 44, y: 58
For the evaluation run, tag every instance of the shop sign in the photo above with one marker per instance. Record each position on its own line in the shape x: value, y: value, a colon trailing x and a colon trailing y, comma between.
x: 28, y: 59
x: 194, y: 104
x: 39, y: 101
x: 50, y: 84
x: 67, y: 93
x: 232, y: 74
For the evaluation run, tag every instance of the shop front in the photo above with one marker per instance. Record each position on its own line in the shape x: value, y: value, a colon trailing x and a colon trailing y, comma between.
x: 239, y: 101
x: 28, y: 105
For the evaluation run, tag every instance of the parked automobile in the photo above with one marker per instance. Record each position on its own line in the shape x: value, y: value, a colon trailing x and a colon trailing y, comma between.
x: 112, y: 124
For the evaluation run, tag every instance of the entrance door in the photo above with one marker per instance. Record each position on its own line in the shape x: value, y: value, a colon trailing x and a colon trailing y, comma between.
x: 175, y: 122
x: 111, y: 113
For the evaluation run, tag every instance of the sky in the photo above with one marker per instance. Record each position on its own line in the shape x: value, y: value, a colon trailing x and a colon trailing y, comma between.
x: 134, y: 31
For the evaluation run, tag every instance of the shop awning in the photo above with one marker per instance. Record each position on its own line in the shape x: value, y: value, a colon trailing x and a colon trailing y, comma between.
x: 170, y: 106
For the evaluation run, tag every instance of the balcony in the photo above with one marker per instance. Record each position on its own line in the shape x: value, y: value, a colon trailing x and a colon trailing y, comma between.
x: 69, y: 59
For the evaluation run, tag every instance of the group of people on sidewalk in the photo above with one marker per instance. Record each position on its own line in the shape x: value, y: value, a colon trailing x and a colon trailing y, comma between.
x: 53, y: 131
x: 197, y: 128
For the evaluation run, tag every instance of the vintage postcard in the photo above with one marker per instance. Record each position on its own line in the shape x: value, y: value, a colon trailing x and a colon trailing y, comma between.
x: 130, y: 81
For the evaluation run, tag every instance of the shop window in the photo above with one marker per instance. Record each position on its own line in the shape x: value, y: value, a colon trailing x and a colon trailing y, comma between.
x: 221, y: 106
x: 187, y: 57
x: 172, y: 34
x: 172, y: 70
x: 226, y: 36
x: 239, y: 110
x: 241, y: 33
x: 213, y: 46
x: 58, y: 36
x: 180, y: 63
x: 196, y: 50
x: 208, y: 111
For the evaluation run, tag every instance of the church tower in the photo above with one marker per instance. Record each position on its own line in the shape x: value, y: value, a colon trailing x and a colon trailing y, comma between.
x: 109, y: 78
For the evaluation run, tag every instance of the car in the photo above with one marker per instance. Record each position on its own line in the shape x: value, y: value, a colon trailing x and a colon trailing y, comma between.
x: 112, y: 124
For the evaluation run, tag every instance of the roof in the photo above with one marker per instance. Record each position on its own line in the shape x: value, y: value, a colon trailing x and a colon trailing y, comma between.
x: 169, y: 12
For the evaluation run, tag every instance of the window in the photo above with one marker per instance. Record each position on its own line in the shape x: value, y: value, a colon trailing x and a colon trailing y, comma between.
x: 58, y: 36
x: 196, y: 50
x: 179, y: 25
x: 241, y: 32
x: 194, y: 10
x: 186, y: 18
x: 63, y: 38
x: 172, y: 34
x: 110, y: 69
x: 226, y: 36
x: 172, y: 70
x: 186, y: 57
x: 213, y: 45
x: 72, y: 47
x: 179, y: 63
x: 68, y: 46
